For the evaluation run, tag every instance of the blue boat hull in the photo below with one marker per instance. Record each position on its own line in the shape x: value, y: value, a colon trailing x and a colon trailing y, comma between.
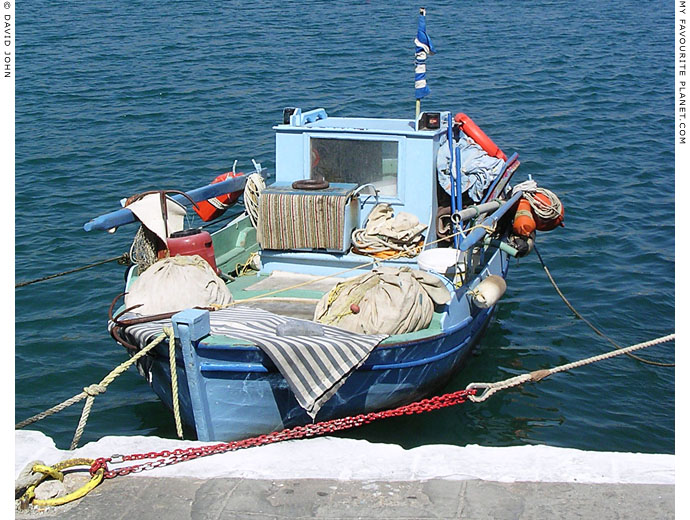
x: 237, y: 392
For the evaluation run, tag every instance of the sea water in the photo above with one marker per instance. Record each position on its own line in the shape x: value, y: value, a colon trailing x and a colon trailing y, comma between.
x: 114, y: 99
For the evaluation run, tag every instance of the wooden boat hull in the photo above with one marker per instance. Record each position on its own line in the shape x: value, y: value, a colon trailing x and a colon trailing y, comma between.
x: 238, y: 391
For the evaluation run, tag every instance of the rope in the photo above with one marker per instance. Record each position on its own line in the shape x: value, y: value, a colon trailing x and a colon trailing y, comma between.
x: 589, y: 324
x: 90, y: 393
x: 345, y: 271
x: 377, y: 244
x: 243, y: 269
x: 167, y: 457
x: 252, y: 190
x: 538, y: 375
x: 123, y: 259
x: 39, y: 473
x: 542, y: 210
x: 173, y: 381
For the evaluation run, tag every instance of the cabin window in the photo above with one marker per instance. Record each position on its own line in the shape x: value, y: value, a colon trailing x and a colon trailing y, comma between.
x: 358, y: 162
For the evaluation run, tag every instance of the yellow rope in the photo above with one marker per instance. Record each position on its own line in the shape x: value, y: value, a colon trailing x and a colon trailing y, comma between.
x: 90, y: 392
x: 55, y: 472
x: 173, y: 381
x: 491, y: 388
x: 242, y: 269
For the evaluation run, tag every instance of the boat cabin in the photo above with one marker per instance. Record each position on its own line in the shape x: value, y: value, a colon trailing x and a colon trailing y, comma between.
x: 381, y: 160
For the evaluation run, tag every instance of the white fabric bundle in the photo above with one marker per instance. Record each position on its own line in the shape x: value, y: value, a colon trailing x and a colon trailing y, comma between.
x: 385, y: 231
x: 177, y: 283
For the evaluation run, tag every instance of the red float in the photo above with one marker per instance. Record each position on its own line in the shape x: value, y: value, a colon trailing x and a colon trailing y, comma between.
x: 478, y: 136
x: 213, y: 208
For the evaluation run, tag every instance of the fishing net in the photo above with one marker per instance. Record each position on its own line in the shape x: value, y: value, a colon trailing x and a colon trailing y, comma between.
x: 387, y: 300
x: 177, y: 283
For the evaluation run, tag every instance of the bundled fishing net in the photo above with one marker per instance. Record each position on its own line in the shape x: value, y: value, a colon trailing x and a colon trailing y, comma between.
x: 177, y: 283
x: 385, y: 301
x: 385, y: 234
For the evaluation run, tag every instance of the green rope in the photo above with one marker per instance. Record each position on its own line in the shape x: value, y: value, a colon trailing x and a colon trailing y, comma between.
x: 589, y: 324
x: 122, y: 259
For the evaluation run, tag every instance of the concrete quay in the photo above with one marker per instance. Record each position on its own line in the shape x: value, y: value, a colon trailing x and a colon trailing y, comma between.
x: 237, y: 498
x: 332, y: 478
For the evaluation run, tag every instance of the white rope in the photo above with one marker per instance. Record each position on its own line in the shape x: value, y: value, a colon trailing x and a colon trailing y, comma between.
x: 491, y: 388
x: 544, y: 211
x: 252, y: 190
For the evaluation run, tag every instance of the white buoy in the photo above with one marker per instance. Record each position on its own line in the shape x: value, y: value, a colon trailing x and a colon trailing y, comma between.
x: 488, y: 292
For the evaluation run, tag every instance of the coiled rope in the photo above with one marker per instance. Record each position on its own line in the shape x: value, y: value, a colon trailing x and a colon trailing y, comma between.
x: 384, y: 247
x: 588, y: 323
x: 252, y: 190
x: 541, y: 209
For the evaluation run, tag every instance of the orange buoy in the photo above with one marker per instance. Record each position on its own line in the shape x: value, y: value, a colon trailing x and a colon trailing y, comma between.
x: 524, y: 223
x: 478, y: 136
x: 213, y: 208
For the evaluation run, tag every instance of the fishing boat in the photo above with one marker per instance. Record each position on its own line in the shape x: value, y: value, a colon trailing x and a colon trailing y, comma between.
x: 359, y: 279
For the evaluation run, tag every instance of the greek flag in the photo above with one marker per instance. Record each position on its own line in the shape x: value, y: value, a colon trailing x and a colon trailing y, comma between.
x: 423, y: 48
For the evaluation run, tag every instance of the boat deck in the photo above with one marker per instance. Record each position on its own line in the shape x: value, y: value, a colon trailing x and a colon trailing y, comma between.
x: 288, y: 294
x: 296, y: 295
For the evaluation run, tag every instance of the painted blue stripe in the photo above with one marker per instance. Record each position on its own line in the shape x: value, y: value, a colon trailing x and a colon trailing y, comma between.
x: 418, y: 362
x: 233, y: 367
x: 489, y: 194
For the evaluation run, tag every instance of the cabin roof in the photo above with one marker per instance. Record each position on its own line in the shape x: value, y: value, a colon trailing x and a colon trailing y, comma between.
x: 321, y: 122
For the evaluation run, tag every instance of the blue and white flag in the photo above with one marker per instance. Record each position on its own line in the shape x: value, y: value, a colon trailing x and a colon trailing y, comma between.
x: 423, y: 48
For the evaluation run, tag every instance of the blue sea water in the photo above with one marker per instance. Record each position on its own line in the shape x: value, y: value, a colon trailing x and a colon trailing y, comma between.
x: 117, y: 98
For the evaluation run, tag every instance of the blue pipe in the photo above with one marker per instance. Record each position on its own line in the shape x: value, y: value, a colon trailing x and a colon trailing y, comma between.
x: 453, y: 181
x: 478, y: 234
x: 124, y: 216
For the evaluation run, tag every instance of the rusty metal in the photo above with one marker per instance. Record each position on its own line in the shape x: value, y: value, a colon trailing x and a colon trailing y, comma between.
x: 138, y: 196
x: 115, y: 334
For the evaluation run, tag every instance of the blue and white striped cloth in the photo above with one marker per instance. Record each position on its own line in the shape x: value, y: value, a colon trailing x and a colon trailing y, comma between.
x: 423, y: 48
x: 315, y: 359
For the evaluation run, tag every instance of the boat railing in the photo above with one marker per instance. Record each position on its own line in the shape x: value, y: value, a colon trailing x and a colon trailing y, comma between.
x: 124, y: 216
x: 478, y: 233
x: 502, y: 179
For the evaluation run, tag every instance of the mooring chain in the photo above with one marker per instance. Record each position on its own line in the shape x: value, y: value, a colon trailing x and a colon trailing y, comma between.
x: 99, y: 467
x: 166, y: 457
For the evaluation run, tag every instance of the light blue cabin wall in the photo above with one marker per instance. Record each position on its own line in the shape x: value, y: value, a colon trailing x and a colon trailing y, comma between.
x: 417, y: 181
x: 289, y: 157
x: 416, y: 166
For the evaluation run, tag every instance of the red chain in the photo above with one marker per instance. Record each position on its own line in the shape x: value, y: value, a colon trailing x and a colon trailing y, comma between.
x: 166, y: 458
